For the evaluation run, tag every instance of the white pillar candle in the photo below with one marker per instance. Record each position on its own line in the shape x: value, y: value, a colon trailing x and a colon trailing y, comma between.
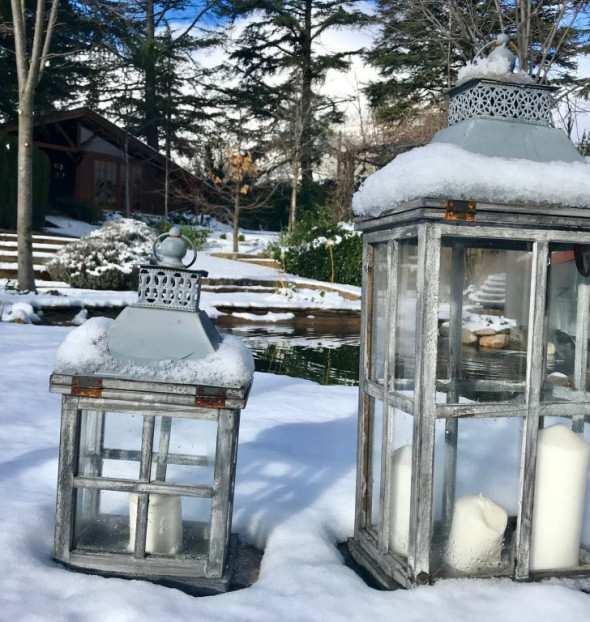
x: 164, y: 524
x: 401, y: 487
x: 558, y: 507
x: 477, y: 533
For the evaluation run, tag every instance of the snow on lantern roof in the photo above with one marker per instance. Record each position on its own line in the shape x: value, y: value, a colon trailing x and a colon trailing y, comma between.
x: 499, y: 148
x: 85, y: 351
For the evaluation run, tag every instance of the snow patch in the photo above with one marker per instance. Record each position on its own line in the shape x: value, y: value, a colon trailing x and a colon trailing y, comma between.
x: 493, y: 68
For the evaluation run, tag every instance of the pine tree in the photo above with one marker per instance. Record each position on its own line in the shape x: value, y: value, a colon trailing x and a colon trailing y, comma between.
x: 281, y: 68
x: 151, y: 89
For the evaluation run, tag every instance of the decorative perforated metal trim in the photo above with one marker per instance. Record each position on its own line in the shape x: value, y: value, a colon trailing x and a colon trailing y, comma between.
x: 166, y: 288
x: 528, y: 103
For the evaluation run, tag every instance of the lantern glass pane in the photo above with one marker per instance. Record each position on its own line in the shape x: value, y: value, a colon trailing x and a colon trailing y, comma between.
x: 109, y: 445
x: 196, y: 519
x: 560, y: 535
x: 184, y: 450
x: 378, y: 313
x: 567, y: 318
x: 375, y: 453
x: 476, y: 494
x: 400, y: 482
x: 102, y: 520
x: 405, y: 321
x: 484, y: 299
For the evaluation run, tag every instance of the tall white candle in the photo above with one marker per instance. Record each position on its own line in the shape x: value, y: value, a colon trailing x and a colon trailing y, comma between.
x: 560, y: 486
x: 477, y: 533
x: 401, y: 486
x: 164, y: 525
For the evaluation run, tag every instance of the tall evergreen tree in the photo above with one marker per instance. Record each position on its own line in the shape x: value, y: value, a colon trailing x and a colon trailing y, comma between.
x: 152, y: 86
x: 281, y: 67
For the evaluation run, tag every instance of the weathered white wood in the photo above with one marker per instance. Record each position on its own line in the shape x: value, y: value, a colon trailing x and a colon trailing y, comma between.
x: 425, y: 402
x: 148, y: 567
x: 532, y: 214
x: 148, y: 387
x: 487, y: 386
x: 225, y: 460
x: 135, y: 456
x: 581, y: 355
x: 481, y: 410
x: 399, y: 233
x: 145, y: 470
x: 362, y: 472
x: 126, y: 407
x: 65, y: 491
x: 123, y: 485
x: 535, y: 377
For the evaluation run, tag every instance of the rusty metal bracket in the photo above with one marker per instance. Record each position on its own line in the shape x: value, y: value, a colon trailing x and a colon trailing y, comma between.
x: 460, y: 210
x: 86, y: 386
x: 215, y: 399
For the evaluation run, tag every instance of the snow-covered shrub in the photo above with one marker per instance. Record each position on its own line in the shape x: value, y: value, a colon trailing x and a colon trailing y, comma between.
x: 108, y: 258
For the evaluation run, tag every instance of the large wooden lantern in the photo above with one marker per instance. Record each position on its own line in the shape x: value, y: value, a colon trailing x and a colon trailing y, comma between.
x: 150, y: 418
x: 474, y: 412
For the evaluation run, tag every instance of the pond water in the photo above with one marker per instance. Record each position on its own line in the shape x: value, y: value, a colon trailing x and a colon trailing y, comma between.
x: 326, y: 356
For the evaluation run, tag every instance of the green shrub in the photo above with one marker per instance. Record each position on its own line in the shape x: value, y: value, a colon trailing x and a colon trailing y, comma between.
x: 108, y: 258
x: 223, y: 236
x: 196, y: 235
x: 79, y: 209
x: 331, y: 253
x: 8, y: 183
x: 241, y: 237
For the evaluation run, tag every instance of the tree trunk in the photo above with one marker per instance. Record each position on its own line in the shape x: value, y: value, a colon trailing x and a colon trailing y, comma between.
x: 293, y: 201
x: 306, y: 138
x: 236, y: 220
x: 151, y: 108
x: 26, y: 274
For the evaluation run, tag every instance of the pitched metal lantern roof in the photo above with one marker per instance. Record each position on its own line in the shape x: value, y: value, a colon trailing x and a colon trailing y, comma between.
x: 506, y: 119
x: 165, y: 323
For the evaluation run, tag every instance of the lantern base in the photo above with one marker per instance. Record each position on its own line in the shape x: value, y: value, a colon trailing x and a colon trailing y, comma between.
x: 193, y: 585
x: 357, y: 559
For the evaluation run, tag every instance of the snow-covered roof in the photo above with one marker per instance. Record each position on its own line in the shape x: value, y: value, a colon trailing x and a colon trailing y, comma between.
x: 499, y: 148
x: 448, y: 171
x: 85, y: 352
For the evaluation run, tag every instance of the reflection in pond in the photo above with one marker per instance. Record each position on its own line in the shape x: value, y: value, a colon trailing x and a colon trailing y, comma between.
x: 325, y: 357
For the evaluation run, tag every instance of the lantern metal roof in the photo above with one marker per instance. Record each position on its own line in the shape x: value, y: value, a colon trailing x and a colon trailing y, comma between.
x: 506, y: 119
x: 165, y: 322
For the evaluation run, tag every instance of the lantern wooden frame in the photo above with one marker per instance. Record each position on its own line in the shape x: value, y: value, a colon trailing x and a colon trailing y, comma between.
x: 428, y: 222
x: 202, y: 574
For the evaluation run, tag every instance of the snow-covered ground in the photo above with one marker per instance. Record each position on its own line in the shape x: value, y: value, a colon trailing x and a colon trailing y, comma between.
x: 294, y: 498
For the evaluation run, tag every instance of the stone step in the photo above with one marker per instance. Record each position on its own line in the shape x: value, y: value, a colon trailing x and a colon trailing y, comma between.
x: 7, y: 236
x: 259, y: 260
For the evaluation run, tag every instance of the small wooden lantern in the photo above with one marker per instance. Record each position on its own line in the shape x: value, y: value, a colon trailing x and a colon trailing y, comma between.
x: 474, y: 415
x: 147, y: 466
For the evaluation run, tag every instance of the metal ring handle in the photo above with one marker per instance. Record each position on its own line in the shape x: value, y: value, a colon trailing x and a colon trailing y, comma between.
x: 193, y: 248
x: 159, y: 257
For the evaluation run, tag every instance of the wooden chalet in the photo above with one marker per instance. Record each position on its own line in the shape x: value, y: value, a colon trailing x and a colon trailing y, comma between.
x: 94, y: 160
